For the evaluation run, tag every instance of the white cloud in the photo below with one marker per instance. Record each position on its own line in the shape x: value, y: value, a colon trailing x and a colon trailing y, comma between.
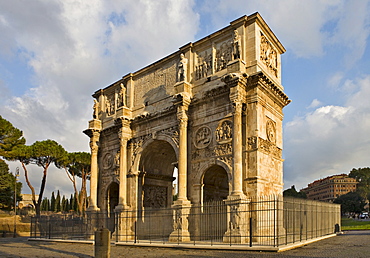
x: 315, y: 103
x: 329, y: 140
x: 306, y: 28
x: 76, y: 47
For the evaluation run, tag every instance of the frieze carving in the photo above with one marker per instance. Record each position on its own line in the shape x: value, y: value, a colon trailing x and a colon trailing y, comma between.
x: 203, y: 67
x: 216, y: 91
x: 201, y: 154
x: 252, y: 143
x: 224, y: 132
x: 271, y: 130
x: 226, y: 159
x: 155, y: 196
x: 109, y: 105
x: 257, y: 143
x: 223, y: 56
x: 202, y: 137
x: 223, y: 149
x: 268, y: 55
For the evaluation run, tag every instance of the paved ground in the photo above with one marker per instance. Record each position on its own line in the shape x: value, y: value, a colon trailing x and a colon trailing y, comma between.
x: 350, y: 244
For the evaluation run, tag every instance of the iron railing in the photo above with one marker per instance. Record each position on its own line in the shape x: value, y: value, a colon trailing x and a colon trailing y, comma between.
x: 272, y: 221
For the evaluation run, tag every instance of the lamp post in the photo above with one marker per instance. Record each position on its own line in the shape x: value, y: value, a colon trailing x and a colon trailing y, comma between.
x: 15, y: 201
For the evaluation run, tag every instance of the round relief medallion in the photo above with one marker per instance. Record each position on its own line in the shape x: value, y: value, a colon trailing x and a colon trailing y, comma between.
x: 271, y: 131
x: 108, y: 160
x: 203, y: 137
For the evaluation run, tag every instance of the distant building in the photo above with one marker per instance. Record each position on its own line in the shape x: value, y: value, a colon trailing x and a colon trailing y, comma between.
x: 329, y: 188
x: 26, y: 201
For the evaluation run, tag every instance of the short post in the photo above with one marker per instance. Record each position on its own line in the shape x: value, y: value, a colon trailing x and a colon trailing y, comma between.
x: 102, y: 243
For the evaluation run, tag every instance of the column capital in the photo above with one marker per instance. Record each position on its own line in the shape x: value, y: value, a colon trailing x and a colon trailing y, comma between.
x: 124, y: 131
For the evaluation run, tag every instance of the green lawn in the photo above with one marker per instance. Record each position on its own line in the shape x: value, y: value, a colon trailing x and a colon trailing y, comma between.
x: 351, y: 224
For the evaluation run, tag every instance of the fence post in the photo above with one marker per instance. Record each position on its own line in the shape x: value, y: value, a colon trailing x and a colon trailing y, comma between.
x: 250, y: 231
x: 49, y: 227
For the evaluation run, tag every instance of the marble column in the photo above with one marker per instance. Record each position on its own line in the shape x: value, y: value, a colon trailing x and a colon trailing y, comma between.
x: 122, y: 204
x: 181, y: 207
x: 94, y: 139
x: 182, y: 163
x: 237, y: 182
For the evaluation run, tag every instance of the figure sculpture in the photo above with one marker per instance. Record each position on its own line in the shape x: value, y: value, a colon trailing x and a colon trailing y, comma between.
x: 121, y: 96
x: 95, y: 109
x: 183, y: 64
x: 236, y: 45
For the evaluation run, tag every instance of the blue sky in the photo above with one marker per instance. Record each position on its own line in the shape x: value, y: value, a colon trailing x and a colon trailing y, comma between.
x: 55, y: 54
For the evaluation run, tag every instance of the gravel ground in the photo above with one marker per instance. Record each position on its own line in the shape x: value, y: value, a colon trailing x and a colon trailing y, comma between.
x: 350, y: 244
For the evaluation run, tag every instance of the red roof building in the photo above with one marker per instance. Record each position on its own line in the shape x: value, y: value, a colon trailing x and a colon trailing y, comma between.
x: 329, y: 188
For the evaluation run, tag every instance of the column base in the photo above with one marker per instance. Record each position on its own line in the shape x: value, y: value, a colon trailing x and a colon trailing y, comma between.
x: 235, y: 237
x: 179, y: 236
x: 121, y: 207
x: 181, y: 203
x: 92, y: 209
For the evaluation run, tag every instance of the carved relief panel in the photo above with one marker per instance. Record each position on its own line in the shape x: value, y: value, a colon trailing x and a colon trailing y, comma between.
x: 155, y: 196
x: 202, y: 137
x: 271, y: 130
x: 223, y: 132
x: 203, y: 64
x: 268, y: 55
x: 223, y: 55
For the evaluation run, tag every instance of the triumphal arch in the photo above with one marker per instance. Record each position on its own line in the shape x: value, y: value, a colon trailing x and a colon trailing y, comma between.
x: 212, y: 111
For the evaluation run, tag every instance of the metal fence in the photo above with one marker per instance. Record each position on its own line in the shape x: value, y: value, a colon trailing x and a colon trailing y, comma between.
x: 272, y: 221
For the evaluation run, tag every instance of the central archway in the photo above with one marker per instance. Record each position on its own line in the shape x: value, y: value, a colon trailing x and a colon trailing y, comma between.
x: 157, y: 165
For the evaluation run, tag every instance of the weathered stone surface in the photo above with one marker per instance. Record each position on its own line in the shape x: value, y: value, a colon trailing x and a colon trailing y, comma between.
x: 213, y: 110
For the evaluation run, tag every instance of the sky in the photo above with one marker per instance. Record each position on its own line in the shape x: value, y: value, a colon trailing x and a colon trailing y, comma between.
x: 55, y: 54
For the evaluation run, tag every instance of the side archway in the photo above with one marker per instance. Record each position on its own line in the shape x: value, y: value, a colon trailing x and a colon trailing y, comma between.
x: 215, y: 184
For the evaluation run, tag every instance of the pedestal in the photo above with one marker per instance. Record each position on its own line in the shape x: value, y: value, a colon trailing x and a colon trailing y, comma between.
x: 238, y: 221
x: 93, y: 217
x: 126, y: 220
x: 181, y: 212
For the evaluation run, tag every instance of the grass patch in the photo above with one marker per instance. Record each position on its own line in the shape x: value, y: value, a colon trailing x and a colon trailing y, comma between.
x: 351, y: 224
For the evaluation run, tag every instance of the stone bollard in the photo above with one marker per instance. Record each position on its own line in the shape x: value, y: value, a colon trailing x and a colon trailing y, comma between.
x: 102, y: 243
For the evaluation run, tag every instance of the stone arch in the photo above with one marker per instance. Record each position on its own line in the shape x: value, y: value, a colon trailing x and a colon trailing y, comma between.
x: 215, y: 184
x: 198, y: 179
x: 112, y: 196
x: 136, y: 156
x: 156, y: 166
